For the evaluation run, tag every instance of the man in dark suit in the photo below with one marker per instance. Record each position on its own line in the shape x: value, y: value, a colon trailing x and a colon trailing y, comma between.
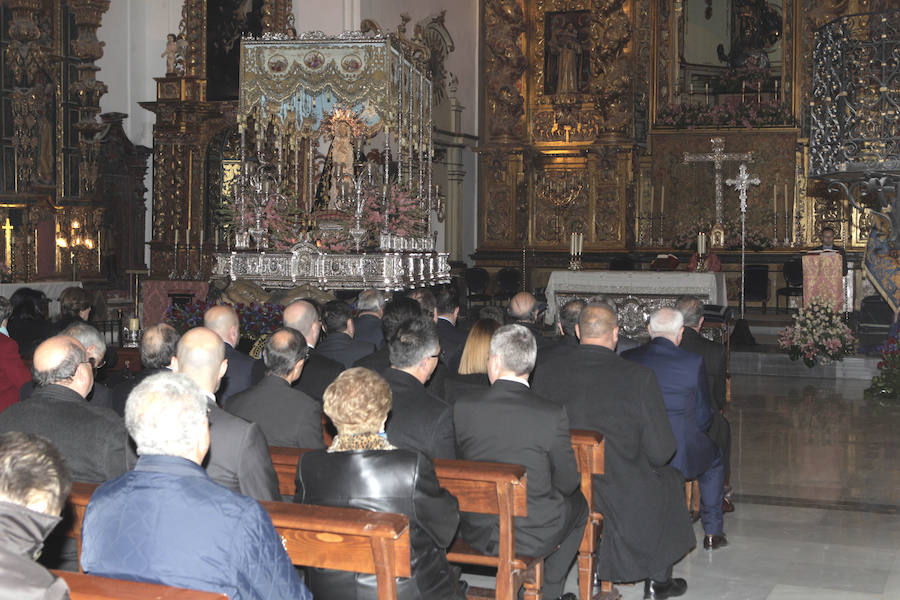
x: 243, y: 370
x: 318, y: 370
x: 683, y: 382
x: 396, y: 312
x: 523, y: 309
x: 238, y: 452
x: 645, y: 528
x: 565, y: 326
x: 827, y: 245
x: 714, y: 363
x: 510, y: 423
x: 92, y: 439
x: 367, y: 323
x: 157, y: 351
x: 287, y: 416
x: 451, y: 334
x: 339, y: 344
x: 418, y: 420
x: 93, y: 343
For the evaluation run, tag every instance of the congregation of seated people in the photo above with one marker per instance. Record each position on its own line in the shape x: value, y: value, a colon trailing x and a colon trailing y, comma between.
x: 372, y: 393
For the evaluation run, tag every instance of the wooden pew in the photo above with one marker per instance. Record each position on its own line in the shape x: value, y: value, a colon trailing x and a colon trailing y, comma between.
x: 344, y: 539
x: 92, y: 587
x: 480, y: 487
x: 589, y: 453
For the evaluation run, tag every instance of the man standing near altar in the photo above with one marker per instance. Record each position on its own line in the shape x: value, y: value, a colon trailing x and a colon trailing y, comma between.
x: 828, y: 245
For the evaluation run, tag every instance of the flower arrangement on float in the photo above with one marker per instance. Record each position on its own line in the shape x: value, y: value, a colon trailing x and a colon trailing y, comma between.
x: 817, y: 335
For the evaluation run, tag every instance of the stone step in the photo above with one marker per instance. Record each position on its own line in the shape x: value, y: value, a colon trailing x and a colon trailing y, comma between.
x: 778, y: 364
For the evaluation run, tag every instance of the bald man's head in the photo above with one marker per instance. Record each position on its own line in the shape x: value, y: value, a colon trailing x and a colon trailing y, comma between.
x: 223, y: 319
x: 158, y: 346
x: 62, y: 360
x: 303, y: 316
x: 201, y: 356
x: 597, y: 326
x: 523, y: 307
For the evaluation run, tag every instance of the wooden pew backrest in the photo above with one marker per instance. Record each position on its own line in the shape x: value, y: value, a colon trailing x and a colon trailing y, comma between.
x: 92, y: 587
x: 345, y: 539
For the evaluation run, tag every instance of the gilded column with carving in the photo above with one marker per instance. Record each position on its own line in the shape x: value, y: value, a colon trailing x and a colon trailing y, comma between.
x: 26, y: 58
x: 88, y: 89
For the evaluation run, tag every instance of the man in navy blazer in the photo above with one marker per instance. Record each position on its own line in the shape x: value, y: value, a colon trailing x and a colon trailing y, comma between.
x: 243, y: 371
x: 683, y: 382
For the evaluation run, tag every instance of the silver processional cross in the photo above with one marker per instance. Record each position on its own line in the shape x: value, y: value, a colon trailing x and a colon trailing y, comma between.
x: 741, y: 183
x: 717, y: 157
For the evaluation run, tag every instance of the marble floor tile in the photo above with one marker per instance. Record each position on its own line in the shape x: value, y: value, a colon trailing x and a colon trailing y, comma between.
x: 816, y: 481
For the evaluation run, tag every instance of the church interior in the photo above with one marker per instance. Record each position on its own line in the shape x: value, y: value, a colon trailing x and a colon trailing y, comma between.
x: 170, y: 155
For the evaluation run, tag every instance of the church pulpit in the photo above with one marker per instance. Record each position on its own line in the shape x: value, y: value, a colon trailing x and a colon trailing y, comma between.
x: 823, y: 279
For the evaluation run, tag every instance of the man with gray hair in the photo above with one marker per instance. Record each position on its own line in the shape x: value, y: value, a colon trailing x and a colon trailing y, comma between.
x: 34, y: 484
x: 683, y: 382
x: 13, y: 372
x: 419, y: 420
x: 510, y: 423
x: 192, y: 532
x: 714, y: 363
x: 369, y: 310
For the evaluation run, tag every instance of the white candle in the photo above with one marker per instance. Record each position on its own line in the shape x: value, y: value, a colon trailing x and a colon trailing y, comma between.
x: 201, y: 237
x: 775, y: 197
x: 580, y: 243
x: 176, y: 238
x: 701, y: 244
x: 662, y: 199
x: 571, y: 243
x: 187, y: 237
x: 216, y: 230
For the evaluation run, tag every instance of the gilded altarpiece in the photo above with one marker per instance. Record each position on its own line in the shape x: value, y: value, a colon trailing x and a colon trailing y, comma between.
x: 187, y: 123
x: 558, y: 134
x: 780, y: 149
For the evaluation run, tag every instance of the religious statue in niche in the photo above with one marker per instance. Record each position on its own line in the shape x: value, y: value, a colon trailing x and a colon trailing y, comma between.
x: 567, y: 56
x: 169, y: 53
x: 756, y: 28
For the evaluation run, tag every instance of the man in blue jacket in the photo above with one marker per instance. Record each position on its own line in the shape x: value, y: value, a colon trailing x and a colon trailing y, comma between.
x: 167, y: 522
x: 682, y: 380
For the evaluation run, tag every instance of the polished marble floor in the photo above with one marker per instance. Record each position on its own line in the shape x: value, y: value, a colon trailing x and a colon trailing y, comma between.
x: 816, y: 482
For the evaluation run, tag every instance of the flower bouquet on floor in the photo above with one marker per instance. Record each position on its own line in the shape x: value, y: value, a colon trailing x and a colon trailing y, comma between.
x: 817, y: 335
x: 887, y: 383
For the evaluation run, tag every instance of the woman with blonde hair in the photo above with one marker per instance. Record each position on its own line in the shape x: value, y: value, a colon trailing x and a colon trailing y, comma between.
x: 363, y: 470
x: 472, y: 372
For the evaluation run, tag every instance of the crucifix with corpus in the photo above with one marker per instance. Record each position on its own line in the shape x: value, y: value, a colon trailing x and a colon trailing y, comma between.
x: 717, y: 157
x: 741, y: 183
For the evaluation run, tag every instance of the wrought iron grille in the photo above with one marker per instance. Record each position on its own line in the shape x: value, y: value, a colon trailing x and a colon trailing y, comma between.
x: 855, y: 111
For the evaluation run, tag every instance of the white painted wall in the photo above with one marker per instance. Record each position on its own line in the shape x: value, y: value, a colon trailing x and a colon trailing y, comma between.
x: 135, y: 35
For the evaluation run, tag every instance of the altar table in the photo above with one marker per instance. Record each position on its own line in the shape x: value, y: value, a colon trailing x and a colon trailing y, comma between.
x: 636, y: 294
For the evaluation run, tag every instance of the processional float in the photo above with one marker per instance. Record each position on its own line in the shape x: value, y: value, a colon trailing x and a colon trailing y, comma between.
x: 360, y: 213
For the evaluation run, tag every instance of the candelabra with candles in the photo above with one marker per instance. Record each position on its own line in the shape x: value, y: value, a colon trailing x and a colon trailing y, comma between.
x: 73, y: 241
x: 576, y: 249
x: 561, y: 189
x: 702, y: 252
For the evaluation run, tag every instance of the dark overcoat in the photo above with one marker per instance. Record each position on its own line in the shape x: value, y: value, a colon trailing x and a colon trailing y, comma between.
x: 646, y: 527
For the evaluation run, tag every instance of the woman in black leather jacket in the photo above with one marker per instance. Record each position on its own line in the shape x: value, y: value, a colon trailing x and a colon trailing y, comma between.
x: 362, y: 470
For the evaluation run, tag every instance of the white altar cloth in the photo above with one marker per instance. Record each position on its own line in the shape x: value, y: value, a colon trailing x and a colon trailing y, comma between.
x: 52, y: 290
x: 709, y: 287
